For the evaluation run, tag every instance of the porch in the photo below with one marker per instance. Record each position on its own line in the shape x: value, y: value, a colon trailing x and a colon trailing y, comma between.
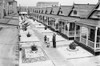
x: 88, y: 36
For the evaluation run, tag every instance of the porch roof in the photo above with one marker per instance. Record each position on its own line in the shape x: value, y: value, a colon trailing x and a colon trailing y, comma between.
x: 88, y: 22
x: 69, y: 19
x: 62, y: 18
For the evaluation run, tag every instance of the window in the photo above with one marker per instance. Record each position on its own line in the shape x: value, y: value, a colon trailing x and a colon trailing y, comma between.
x: 66, y: 28
x: 42, y: 11
x: 98, y: 35
x: 46, y: 12
x: 72, y: 27
x: 57, y: 25
x: 39, y: 11
x: 84, y: 32
x: 92, y: 35
x: 61, y: 12
x: 77, y: 27
x: 75, y: 12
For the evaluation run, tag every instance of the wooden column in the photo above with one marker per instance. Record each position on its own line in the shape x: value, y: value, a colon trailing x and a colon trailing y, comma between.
x: 87, y: 37
x: 95, y: 38
x: 75, y: 32
x: 80, y: 32
x: 68, y: 30
x: 64, y: 27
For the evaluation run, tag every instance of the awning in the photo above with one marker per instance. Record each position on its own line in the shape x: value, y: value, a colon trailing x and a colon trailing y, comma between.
x: 23, y: 13
x: 69, y: 19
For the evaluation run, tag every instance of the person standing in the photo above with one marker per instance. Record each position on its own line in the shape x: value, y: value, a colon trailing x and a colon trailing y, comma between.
x: 54, y: 40
x: 45, y: 28
x: 48, y: 43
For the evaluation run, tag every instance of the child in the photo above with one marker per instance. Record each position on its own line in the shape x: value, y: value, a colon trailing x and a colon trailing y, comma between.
x: 48, y: 43
x: 45, y: 38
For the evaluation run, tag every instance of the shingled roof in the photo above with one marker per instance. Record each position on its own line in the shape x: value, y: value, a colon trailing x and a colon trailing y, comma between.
x: 82, y: 9
x: 48, y: 10
x: 43, y: 10
x: 95, y: 13
x: 55, y: 10
x: 65, y: 10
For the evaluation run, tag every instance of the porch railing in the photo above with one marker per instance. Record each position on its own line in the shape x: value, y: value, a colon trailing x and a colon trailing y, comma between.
x: 83, y: 40
x: 69, y: 33
x: 91, y: 44
x: 77, y: 39
x: 98, y: 45
x: 78, y: 33
x: 66, y: 33
x: 62, y: 31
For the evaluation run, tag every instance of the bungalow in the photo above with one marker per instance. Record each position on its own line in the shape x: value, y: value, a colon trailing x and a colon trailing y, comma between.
x: 80, y: 21
x: 87, y: 28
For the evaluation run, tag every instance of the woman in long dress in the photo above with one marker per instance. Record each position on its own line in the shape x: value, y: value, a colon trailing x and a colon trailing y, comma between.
x: 54, y: 40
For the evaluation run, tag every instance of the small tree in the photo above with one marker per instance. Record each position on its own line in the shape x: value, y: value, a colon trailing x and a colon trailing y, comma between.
x: 72, y: 46
x: 34, y: 48
x: 28, y: 35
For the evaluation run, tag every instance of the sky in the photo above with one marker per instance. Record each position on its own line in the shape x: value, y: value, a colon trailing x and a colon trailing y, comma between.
x: 62, y: 2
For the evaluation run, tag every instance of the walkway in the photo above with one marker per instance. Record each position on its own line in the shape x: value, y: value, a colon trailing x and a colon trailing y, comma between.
x: 60, y: 56
x: 8, y: 43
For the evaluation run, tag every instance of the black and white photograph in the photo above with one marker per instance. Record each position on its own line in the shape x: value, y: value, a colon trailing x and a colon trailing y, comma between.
x: 49, y: 32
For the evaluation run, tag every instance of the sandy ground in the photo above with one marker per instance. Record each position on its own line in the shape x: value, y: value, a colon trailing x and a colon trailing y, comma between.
x: 4, y: 20
x: 8, y: 42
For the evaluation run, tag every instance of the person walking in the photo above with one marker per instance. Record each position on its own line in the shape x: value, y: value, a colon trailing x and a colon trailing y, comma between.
x: 54, y: 40
x: 48, y: 43
x: 45, y: 38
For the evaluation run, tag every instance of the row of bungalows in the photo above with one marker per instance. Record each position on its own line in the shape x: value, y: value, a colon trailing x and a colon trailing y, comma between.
x: 23, y: 9
x: 7, y: 7
x: 80, y: 22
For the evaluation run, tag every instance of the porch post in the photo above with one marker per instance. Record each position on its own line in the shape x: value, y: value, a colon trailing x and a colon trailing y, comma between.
x: 87, y: 37
x: 65, y: 28
x: 68, y: 29
x: 47, y: 20
x: 75, y: 32
x: 80, y: 32
x: 95, y: 38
